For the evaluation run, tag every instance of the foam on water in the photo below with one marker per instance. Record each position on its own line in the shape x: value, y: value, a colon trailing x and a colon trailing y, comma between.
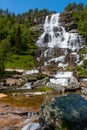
x: 55, y: 35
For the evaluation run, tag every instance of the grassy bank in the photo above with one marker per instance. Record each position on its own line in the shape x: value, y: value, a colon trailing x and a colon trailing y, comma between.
x: 20, y: 61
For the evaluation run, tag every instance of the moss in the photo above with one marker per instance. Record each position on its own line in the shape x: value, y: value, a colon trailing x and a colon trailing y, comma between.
x: 65, y: 126
x: 81, y: 72
x: 44, y: 89
x: 38, y: 76
x: 83, y: 51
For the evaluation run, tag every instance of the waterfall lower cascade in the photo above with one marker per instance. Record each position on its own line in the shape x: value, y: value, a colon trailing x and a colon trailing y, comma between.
x: 55, y: 35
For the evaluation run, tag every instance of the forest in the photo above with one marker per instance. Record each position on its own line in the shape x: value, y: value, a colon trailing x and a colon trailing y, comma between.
x: 18, y: 34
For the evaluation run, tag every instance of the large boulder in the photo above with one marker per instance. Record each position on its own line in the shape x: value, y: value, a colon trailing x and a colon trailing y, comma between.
x: 64, y: 84
x: 73, y: 84
x: 64, y: 113
x: 57, y: 87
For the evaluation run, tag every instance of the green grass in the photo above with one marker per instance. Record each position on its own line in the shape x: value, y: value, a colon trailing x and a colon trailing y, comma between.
x: 44, y: 89
x: 20, y: 61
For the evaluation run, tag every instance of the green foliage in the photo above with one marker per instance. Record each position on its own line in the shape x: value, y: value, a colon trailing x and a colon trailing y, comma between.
x: 82, y: 24
x: 18, y: 36
x: 20, y: 61
x: 44, y: 89
x: 4, y: 47
x: 74, y: 7
x: 83, y: 51
x: 79, y: 13
x: 82, y: 73
x: 85, y: 63
x: 35, y: 77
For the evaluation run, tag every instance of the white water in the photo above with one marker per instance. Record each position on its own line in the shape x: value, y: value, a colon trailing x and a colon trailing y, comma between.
x: 58, y: 59
x: 60, y: 81
x: 62, y: 78
x: 31, y: 126
x: 27, y: 85
x: 55, y: 35
x: 63, y: 75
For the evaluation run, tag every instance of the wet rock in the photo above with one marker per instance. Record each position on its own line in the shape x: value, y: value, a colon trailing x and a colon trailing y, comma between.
x: 69, y: 112
x: 73, y: 84
x: 31, y: 126
x: 57, y: 87
x: 84, y: 91
x: 83, y: 83
x: 40, y: 83
x: 62, y: 84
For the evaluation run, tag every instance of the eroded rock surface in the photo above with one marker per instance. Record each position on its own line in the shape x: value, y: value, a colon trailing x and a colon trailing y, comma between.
x: 68, y: 112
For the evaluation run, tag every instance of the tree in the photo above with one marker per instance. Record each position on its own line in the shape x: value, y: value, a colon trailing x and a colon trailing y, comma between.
x: 4, y: 48
x: 74, y: 7
x: 18, y: 40
x: 82, y: 24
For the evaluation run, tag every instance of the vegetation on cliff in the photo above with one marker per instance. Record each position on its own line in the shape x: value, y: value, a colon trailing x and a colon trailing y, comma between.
x: 18, y: 34
x: 79, y: 13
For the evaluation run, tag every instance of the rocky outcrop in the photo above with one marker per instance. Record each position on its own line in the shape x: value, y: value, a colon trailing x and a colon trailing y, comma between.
x: 15, y: 118
x: 68, y: 112
x: 40, y: 83
x: 57, y: 87
x: 83, y: 85
x: 68, y: 21
x: 13, y: 81
x: 70, y: 83
x: 73, y: 84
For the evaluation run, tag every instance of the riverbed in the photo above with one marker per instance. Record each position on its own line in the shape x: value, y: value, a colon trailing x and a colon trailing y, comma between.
x: 16, y: 107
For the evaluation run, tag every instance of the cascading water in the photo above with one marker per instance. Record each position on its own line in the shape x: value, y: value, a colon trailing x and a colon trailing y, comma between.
x: 55, y: 35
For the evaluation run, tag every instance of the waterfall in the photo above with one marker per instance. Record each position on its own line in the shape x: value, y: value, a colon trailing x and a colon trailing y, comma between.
x: 56, y: 36
x: 29, y: 124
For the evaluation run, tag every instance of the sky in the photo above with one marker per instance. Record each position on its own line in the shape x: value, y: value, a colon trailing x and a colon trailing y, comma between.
x: 21, y: 6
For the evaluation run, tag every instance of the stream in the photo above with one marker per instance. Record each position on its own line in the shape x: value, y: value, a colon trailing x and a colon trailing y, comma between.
x: 21, y: 110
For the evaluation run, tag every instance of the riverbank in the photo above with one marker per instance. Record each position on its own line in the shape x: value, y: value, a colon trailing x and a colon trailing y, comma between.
x: 14, y: 118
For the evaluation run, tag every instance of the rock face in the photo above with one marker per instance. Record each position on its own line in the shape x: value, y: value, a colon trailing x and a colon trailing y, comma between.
x: 64, y: 113
x: 68, y: 21
x: 40, y: 83
x: 13, y: 81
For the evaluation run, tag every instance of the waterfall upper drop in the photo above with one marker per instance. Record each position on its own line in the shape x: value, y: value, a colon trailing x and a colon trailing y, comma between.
x: 55, y: 35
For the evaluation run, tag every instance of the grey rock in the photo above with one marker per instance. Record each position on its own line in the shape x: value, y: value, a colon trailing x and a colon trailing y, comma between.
x: 69, y: 112
x: 84, y: 91
x: 40, y: 83
x: 73, y: 84
x: 57, y: 87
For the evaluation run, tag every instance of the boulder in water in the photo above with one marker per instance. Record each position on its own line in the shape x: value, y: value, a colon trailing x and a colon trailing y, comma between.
x: 67, y: 112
